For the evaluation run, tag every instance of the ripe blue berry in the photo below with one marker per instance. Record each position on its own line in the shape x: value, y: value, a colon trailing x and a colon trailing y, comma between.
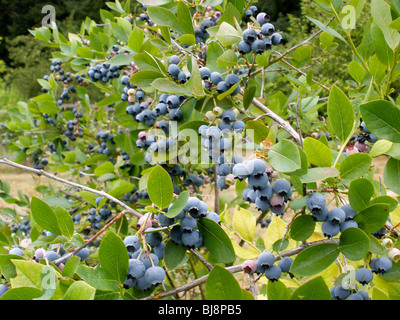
x: 205, y: 73
x: 315, y: 202
x: 329, y: 229
x: 336, y: 216
x: 258, y: 46
x: 283, y: 188
x: 188, y: 224
x: 273, y: 273
x: 267, y: 29
x: 136, y: 269
x: 155, y: 275
x: 249, y: 35
x: 192, y: 239
x: 285, y: 263
x: 364, y: 275
x: 266, y: 259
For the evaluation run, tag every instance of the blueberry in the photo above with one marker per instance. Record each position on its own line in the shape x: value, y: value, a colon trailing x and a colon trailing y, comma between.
x: 225, y: 126
x: 256, y: 167
x: 244, y: 47
x: 364, y: 275
x: 336, y: 216
x: 152, y: 237
x: 222, y: 87
x: 285, y: 263
x: 223, y: 169
x: 192, y: 239
x: 283, y: 188
x: 231, y: 80
x: 159, y: 250
x: 348, y: 224
x: 228, y: 115
x: 273, y: 273
x: 164, y: 220
x: 142, y: 284
x: 341, y: 293
x: 155, y: 275
x: 363, y: 294
x: 83, y: 253
x: 258, y: 46
x: 52, y: 256
x: 265, y: 193
x: 221, y: 183
x: 216, y: 78
x: 266, y: 259
x: 148, y: 259
x: 262, y: 18
x: 276, y: 39
x: 132, y: 243
x: 238, y: 125
x: 330, y: 229
x: 205, y: 73
x: 315, y: 202
x: 249, y: 35
x: 3, y: 289
x: 262, y: 205
x: 258, y: 182
x: 174, y: 59
x: 240, y: 171
x: 267, y: 29
x: 382, y: 265
x: 355, y: 296
x: 249, y: 266
x: 136, y: 269
x: 350, y: 212
x: 188, y: 224
x: 321, y: 215
x: 173, y: 101
x: 277, y: 204
x: 213, y: 216
x: 16, y: 251
x: 173, y: 71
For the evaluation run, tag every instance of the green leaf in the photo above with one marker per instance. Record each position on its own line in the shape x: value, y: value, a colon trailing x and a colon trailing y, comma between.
x: 248, y: 96
x: 65, y: 222
x: 144, y: 78
x: 49, y: 283
x: 216, y: 240
x: 319, y: 174
x: 44, y: 216
x: 80, y: 290
x: 227, y: 35
x: 21, y: 293
x: 357, y: 71
x: 382, y: 119
x: 354, y: 243
x: 341, y: 116
x: 98, y: 278
x: 385, y: 199
x: 327, y: 29
x: 7, y: 266
x: 380, y: 11
x: 227, y: 59
x: 136, y: 38
x: 382, y: 50
x: 380, y: 147
x: 164, y: 17
x: 372, y: 218
x: 178, y: 205
x: 159, y: 187
x: 276, y: 290
x: 302, y: 228
x: 184, y: 18
x: 284, y: 156
x: 355, y: 166
x: 317, y: 152
x: 244, y: 223
x: 360, y: 193
x: 113, y: 256
x: 259, y: 128
x: 120, y: 60
x: 222, y: 285
x: 391, y: 175
x: 174, y: 255
x: 314, y: 259
x: 169, y: 86
x: 314, y: 289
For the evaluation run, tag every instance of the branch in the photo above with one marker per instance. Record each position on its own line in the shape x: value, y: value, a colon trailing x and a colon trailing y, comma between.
x: 76, y: 185
x: 234, y: 269
x: 269, y: 113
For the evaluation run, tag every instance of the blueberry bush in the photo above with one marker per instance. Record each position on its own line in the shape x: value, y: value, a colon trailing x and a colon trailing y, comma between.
x: 214, y: 165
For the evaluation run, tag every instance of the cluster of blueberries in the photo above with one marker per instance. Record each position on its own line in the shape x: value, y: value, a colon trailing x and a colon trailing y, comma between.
x: 333, y: 221
x: 104, y: 72
x: 222, y: 85
x: 51, y: 254
x: 360, y: 140
x: 364, y: 276
x: 175, y: 71
x: 258, y: 41
x: 73, y: 130
x: 261, y: 190
x: 104, y: 137
x: 200, y: 32
x: 144, y: 271
x: 24, y: 226
x: 266, y: 264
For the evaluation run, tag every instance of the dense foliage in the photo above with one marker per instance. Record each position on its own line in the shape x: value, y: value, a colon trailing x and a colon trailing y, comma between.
x: 202, y: 158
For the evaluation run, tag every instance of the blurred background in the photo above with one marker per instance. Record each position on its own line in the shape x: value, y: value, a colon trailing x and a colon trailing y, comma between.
x: 24, y: 59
